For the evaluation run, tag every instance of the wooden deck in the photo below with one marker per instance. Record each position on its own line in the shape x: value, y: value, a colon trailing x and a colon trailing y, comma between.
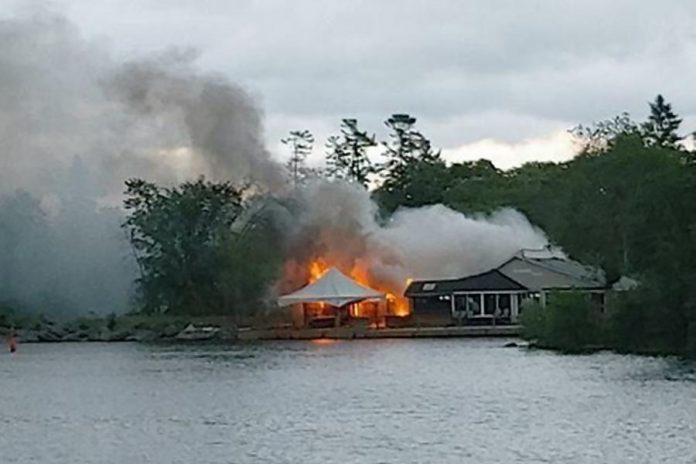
x: 347, y: 333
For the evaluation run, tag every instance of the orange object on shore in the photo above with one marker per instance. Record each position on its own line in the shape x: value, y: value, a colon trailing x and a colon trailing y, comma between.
x: 13, y: 343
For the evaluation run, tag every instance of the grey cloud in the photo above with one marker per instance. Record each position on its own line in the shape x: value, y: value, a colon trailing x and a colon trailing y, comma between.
x: 443, y: 61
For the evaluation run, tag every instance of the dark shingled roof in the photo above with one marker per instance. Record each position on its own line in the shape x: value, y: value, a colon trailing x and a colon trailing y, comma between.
x: 555, y: 261
x: 486, y: 281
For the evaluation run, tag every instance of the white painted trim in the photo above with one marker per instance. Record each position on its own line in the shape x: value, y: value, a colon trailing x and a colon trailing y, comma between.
x: 575, y: 289
x: 514, y: 310
x: 489, y: 292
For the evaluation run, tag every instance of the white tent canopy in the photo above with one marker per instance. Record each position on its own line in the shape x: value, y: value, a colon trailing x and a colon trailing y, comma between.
x: 333, y: 288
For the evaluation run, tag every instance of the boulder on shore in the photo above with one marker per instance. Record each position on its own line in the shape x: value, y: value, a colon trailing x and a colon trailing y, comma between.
x: 142, y: 336
x: 50, y: 336
x: 191, y: 332
x: 72, y: 337
x: 171, y: 331
x: 27, y: 336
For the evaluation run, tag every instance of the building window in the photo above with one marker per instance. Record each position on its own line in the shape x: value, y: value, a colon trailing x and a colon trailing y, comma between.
x: 473, y: 305
x: 489, y: 305
x: 597, y: 300
x: 504, y: 305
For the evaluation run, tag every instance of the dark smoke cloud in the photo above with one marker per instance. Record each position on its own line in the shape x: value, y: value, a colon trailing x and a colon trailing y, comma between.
x: 221, y: 122
x: 74, y: 124
x: 338, y: 222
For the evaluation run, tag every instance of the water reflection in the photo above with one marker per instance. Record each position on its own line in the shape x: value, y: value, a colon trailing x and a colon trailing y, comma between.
x: 445, y: 401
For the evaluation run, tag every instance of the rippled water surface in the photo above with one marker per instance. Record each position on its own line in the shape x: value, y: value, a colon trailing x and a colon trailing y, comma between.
x: 377, y: 401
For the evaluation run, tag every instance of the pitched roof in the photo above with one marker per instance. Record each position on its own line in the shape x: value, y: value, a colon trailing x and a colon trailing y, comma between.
x: 486, y: 281
x: 333, y: 288
x: 556, y: 261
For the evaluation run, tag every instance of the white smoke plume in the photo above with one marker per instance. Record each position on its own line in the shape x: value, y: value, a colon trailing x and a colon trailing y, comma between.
x: 338, y: 222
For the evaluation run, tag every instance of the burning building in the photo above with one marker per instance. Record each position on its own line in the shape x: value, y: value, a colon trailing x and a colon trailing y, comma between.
x: 337, y: 225
x: 332, y: 298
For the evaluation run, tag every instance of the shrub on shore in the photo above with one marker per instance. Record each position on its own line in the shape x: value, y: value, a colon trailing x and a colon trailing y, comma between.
x: 570, y: 322
x: 533, y: 320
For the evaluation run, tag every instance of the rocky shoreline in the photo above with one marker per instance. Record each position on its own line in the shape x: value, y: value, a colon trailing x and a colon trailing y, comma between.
x: 158, y: 329
x: 51, y: 332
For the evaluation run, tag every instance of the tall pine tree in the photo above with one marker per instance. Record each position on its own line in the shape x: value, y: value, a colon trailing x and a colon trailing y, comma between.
x: 406, y: 145
x: 301, y: 143
x: 661, y: 127
x: 410, y: 168
x: 346, y: 155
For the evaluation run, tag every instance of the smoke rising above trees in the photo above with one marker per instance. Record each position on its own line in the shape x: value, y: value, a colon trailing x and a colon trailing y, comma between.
x: 75, y: 123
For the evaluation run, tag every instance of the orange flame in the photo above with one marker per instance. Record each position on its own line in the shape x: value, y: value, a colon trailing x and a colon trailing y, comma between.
x: 397, y: 305
x: 317, y: 268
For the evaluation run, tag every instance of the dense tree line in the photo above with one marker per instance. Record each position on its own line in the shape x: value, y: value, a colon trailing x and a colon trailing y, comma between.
x: 625, y: 203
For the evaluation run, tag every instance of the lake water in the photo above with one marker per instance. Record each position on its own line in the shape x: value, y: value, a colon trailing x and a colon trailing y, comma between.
x: 368, y: 401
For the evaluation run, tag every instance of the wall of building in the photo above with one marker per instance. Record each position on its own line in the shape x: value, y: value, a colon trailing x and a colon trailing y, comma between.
x: 432, y: 311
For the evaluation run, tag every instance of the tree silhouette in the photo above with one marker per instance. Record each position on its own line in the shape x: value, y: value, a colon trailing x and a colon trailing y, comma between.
x: 661, y: 127
x: 301, y: 143
x: 346, y: 155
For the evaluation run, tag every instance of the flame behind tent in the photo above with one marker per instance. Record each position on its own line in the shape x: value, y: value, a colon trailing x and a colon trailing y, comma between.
x: 397, y: 304
x: 337, y: 224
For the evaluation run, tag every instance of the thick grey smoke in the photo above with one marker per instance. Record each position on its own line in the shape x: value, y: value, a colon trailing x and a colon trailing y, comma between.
x: 339, y: 223
x: 74, y: 124
x: 220, y: 121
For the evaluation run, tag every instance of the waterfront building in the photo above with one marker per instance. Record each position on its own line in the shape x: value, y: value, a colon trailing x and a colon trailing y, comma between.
x: 496, y: 296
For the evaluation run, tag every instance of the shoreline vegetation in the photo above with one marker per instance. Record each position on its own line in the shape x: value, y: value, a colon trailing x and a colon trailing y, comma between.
x: 572, y: 323
x: 625, y: 204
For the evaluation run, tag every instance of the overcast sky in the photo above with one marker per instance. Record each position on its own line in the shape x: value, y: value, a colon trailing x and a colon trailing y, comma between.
x: 497, y: 79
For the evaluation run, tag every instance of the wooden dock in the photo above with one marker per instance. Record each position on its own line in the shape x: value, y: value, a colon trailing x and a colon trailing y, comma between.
x: 349, y: 333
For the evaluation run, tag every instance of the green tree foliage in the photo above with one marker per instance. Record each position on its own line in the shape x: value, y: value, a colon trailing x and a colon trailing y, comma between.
x: 630, y: 211
x: 413, y: 171
x: 660, y: 129
x: 476, y: 187
x: 624, y: 203
x: 301, y: 143
x: 198, y: 249
x: 570, y: 322
x: 533, y: 320
x: 662, y: 125
x: 346, y: 155
x: 602, y: 135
